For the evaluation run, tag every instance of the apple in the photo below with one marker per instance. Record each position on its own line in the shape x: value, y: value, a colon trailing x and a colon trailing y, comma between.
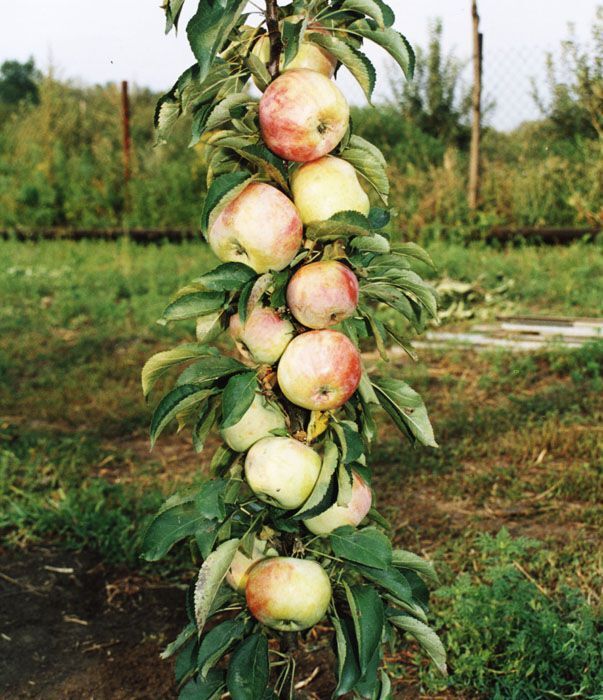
x: 338, y: 516
x: 264, y: 335
x: 236, y: 577
x: 325, y: 187
x: 303, y: 115
x: 261, y: 227
x: 282, y: 471
x: 322, y: 294
x: 258, y: 422
x: 288, y: 594
x: 320, y: 370
x: 309, y: 55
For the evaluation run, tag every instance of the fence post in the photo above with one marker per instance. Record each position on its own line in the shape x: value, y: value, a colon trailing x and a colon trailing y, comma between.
x: 476, y: 111
x: 127, y: 140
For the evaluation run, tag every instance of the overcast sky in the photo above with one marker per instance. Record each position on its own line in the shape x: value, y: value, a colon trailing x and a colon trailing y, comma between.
x: 96, y: 41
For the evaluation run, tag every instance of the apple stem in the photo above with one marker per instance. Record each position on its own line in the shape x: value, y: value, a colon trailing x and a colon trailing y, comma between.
x: 276, y: 45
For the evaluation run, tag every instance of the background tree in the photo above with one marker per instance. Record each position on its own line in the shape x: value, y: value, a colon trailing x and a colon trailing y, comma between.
x: 19, y: 82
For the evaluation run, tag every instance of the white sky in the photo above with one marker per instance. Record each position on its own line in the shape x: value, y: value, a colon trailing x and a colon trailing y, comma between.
x: 97, y: 41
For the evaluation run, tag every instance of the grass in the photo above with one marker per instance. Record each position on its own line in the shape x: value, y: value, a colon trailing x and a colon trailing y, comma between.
x: 520, y: 437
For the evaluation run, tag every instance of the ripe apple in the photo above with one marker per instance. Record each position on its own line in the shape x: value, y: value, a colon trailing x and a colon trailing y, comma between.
x: 303, y: 115
x: 257, y: 422
x: 288, y: 594
x: 309, y: 55
x: 338, y: 516
x: 260, y: 227
x: 322, y: 294
x: 320, y: 370
x: 264, y: 335
x: 236, y: 576
x: 325, y: 187
x: 282, y: 471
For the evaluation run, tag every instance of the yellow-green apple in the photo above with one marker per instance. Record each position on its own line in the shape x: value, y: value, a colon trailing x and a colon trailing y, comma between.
x: 320, y: 370
x: 322, y: 294
x: 260, y: 227
x: 264, y: 335
x: 309, y: 55
x: 338, y: 516
x: 288, y: 594
x: 236, y: 577
x: 258, y: 422
x: 303, y: 115
x: 282, y: 471
x: 325, y: 187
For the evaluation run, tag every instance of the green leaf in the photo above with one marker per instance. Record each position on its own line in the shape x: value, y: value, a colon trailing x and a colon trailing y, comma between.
x: 209, y: 27
x: 399, y: 586
x: 371, y: 244
x: 206, y: 535
x: 238, y: 397
x: 426, y: 637
x: 217, y: 642
x: 222, y: 191
x: 209, y: 688
x: 204, y: 423
x: 379, y: 218
x: 344, y: 224
x: 210, y: 499
x: 408, y: 560
x: 210, y: 577
x: 368, y: 686
x: 157, y: 365
x: 385, y: 692
x: 209, y: 326
x: 179, y: 400
x: 227, y: 277
x: 244, y: 300
x: 413, y: 251
x: 368, y: 615
x: 192, y: 305
x: 392, y: 41
x: 223, y: 458
x: 292, y: 34
x: 248, y: 670
x: 208, y: 370
x: 344, y: 485
x: 368, y: 546
x: 267, y: 164
x: 259, y: 71
x: 322, y: 495
x: 187, y: 633
x: 378, y: 11
x: 348, y: 671
x: 370, y: 163
x: 223, y: 111
x: 172, y: 9
x: 406, y: 408
x: 354, y: 60
x: 177, y: 519
x: 186, y: 661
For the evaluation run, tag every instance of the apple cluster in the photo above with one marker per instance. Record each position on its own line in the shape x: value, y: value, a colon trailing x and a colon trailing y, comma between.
x: 303, y: 117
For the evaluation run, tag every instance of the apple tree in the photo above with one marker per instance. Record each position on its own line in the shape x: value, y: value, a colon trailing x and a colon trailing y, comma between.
x: 286, y: 533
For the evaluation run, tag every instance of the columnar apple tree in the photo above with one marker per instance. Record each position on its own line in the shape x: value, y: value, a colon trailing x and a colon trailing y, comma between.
x: 286, y: 532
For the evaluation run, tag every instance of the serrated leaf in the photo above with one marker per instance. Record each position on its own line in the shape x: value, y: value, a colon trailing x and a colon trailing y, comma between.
x: 248, y: 670
x: 371, y: 244
x: 319, y: 422
x: 222, y: 191
x: 217, y: 642
x: 408, y: 560
x: 259, y: 71
x: 378, y: 11
x: 237, y: 397
x: 379, y: 218
x: 172, y: 9
x: 400, y: 587
x: 171, y: 525
x: 426, y: 637
x: 210, y: 577
x: 370, y: 163
x: 368, y: 615
x: 268, y: 165
x: 192, y: 305
x: 322, y: 495
x: 204, y: 423
x: 157, y: 365
x: 179, y: 400
x: 221, y: 113
x: 413, y: 251
x: 209, y: 327
x: 392, y: 41
x: 292, y: 34
x: 368, y: 546
x: 186, y: 633
x: 345, y: 483
x: 206, y: 371
x: 352, y: 58
x: 227, y: 277
x: 209, y: 688
x: 348, y: 671
x: 344, y: 224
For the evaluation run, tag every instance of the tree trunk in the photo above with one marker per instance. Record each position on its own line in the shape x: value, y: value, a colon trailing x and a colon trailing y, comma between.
x: 276, y: 45
x: 476, y: 111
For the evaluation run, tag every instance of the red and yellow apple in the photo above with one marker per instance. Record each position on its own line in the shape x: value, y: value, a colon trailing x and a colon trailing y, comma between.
x: 322, y: 294
x: 282, y: 471
x: 258, y: 422
x: 338, y: 516
x: 264, y: 335
x: 236, y: 577
x: 325, y: 187
x: 260, y: 227
x: 303, y: 115
x: 288, y: 594
x: 320, y: 370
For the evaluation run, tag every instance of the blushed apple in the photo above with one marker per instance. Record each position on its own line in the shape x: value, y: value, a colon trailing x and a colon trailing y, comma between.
x: 322, y: 294
x: 320, y: 370
x: 325, y: 187
x: 261, y: 228
x: 303, y: 115
x: 288, y: 594
x: 338, y: 516
x: 282, y: 471
x: 264, y: 335
x: 258, y: 422
x: 236, y: 577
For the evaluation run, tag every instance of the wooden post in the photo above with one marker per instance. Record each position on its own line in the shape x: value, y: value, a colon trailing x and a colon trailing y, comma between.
x: 127, y: 141
x: 476, y: 111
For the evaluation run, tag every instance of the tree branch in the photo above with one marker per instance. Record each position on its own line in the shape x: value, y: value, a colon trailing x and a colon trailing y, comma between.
x: 276, y: 45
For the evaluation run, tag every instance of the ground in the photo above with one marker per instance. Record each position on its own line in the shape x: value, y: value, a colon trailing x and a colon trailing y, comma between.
x: 82, y: 617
